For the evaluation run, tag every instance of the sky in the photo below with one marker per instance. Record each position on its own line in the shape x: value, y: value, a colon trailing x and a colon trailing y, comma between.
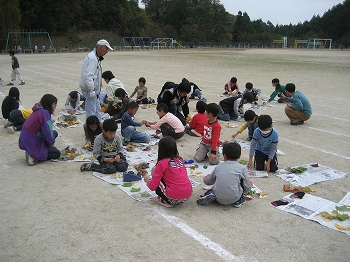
x: 282, y: 12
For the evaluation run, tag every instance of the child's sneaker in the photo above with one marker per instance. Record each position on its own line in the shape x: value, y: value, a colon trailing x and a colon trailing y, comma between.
x: 239, y: 202
x: 125, y: 143
x: 86, y: 167
x: 163, y: 202
x: 7, y: 124
x: 10, y: 84
x: 31, y: 161
x: 206, y: 199
x: 11, y: 129
x: 22, y: 83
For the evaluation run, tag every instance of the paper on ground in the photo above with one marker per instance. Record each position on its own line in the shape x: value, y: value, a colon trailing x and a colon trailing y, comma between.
x: 310, y: 207
x: 311, y: 176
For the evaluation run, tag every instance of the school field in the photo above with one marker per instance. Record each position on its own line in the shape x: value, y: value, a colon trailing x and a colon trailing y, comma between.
x: 53, y: 212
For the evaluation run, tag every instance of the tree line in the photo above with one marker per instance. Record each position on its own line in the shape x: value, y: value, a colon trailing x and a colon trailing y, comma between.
x: 192, y: 21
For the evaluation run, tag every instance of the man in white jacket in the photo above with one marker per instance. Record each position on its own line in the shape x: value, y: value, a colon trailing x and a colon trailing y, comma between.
x: 90, y: 79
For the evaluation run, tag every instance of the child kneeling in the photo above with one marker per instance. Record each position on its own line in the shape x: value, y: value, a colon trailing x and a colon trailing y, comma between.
x: 229, y: 179
x: 108, y: 151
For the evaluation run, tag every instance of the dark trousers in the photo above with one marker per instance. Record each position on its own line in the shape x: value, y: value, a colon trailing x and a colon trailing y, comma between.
x: 168, y: 130
x: 175, y: 111
x: 160, y: 191
x: 260, y: 160
x: 110, y: 168
x: 53, y: 152
x: 17, y: 119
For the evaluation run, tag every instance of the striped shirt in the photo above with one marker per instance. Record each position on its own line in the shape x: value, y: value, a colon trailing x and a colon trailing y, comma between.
x: 172, y: 120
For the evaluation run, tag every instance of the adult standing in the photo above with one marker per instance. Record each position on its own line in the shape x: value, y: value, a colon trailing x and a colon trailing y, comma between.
x: 298, y: 108
x: 90, y: 79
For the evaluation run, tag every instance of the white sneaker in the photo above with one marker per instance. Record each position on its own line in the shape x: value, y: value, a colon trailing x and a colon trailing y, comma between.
x: 31, y: 161
x: 11, y: 129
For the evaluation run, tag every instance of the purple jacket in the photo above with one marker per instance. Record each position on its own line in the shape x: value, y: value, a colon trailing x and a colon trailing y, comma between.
x: 37, y: 133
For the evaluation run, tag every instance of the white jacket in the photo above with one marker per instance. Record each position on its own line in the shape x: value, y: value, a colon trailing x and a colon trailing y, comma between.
x: 90, y: 78
x: 113, y: 85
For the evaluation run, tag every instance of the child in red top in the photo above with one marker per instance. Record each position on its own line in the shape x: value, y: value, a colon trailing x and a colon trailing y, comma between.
x: 169, y: 177
x: 196, y: 126
x: 211, y: 137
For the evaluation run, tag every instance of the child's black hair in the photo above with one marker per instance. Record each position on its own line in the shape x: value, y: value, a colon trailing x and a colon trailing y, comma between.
x: 277, y: 82
x: 107, y: 75
x: 109, y: 125
x: 249, y: 115
x: 290, y: 87
x: 120, y: 92
x: 264, y: 121
x: 233, y: 80
x: 142, y: 80
x: 14, y: 93
x: 200, y: 106
x: 73, y: 94
x: 11, y: 52
x: 46, y: 102
x: 232, y: 150
x: 213, y: 109
x: 133, y: 104
x: 167, y: 148
x: 89, y: 134
x: 249, y: 85
x: 162, y: 107
x: 248, y: 96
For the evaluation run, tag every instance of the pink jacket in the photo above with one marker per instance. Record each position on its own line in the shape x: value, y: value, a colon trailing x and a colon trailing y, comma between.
x: 174, y: 175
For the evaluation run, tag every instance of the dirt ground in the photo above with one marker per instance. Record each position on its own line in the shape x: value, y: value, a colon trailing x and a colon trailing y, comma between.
x: 54, y: 212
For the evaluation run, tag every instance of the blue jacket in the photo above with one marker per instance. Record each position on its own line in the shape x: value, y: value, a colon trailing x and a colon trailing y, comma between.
x: 37, y: 133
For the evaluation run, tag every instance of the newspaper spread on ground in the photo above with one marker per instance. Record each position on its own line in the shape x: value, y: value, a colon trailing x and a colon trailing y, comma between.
x: 315, y: 173
x: 332, y: 215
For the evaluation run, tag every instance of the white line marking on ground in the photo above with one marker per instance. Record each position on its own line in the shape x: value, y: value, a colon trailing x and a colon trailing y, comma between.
x: 317, y: 149
x: 206, y: 242
x: 329, y: 132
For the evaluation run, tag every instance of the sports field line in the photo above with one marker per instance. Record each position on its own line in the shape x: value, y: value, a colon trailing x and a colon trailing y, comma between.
x: 329, y: 132
x: 322, y: 115
x: 52, y: 70
x: 317, y: 149
x: 206, y: 242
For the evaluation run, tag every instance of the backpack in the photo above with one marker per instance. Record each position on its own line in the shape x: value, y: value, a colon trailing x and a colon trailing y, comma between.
x: 168, y: 86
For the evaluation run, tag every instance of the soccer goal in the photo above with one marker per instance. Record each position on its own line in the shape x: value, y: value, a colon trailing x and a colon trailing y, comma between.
x: 30, y: 41
x: 320, y: 43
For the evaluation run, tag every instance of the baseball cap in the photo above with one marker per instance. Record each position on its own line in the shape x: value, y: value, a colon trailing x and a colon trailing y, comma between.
x: 105, y: 43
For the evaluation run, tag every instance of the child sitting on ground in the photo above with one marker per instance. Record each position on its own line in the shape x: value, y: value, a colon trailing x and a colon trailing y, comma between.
x: 279, y: 90
x: 120, y: 107
x: 196, y: 125
x: 254, y: 91
x: 229, y: 179
x: 232, y: 107
x: 168, y: 123
x: 128, y: 126
x: 211, y: 137
x: 251, y: 121
x: 264, y: 146
x: 141, y: 93
x: 92, y: 129
x: 73, y: 102
x: 232, y: 87
x: 169, y: 176
x: 108, y: 151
